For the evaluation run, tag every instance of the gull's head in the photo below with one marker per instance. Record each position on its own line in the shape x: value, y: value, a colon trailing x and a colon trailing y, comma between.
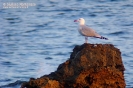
x: 80, y: 20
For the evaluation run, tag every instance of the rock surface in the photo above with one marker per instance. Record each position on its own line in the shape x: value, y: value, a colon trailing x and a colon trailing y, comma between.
x: 89, y: 66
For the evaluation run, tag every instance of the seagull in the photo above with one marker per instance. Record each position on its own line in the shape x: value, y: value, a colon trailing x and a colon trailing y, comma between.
x: 86, y: 31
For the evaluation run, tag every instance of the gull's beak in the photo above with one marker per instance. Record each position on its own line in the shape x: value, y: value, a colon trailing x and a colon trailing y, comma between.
x: 75, y: 20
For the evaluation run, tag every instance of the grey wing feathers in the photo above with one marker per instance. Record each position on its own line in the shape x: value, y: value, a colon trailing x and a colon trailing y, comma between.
x: 86, y: 31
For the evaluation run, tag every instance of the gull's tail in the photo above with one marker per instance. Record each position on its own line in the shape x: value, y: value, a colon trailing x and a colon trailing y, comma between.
x: 103, y: 38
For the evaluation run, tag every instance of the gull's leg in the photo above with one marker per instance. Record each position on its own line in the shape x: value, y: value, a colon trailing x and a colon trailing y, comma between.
x: 86, y: 39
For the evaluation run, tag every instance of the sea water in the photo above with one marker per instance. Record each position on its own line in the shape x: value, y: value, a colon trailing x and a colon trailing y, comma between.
x: 34, y: 40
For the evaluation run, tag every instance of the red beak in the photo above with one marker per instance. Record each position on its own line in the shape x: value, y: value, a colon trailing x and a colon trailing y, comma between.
x: 75, y: 20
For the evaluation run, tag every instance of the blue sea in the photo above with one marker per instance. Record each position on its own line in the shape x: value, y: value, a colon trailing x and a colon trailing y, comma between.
x: 37, y: 36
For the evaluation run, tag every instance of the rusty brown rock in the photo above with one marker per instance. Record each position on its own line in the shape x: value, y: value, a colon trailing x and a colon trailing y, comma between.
x: 89, y: 66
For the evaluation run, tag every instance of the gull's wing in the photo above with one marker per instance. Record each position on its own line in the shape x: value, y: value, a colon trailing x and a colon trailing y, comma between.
x: 86, y: 31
